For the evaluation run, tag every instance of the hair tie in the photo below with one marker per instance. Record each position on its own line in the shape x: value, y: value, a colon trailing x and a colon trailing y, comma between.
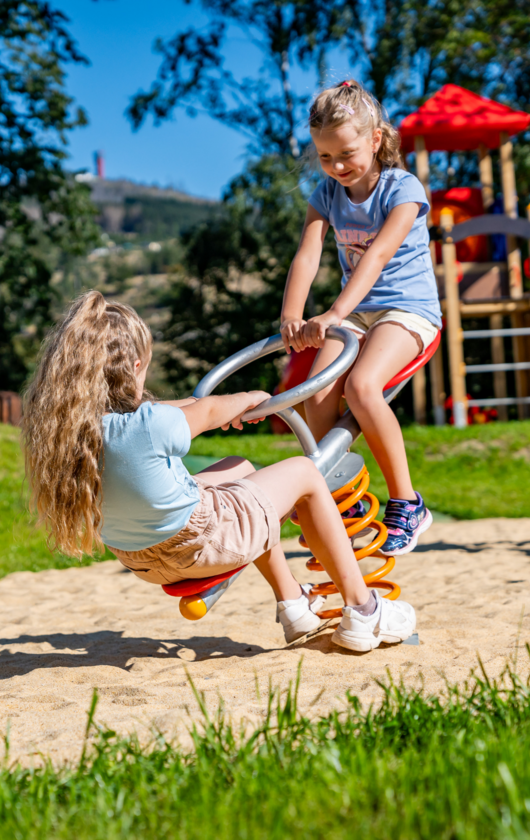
x: 368, y: 106
x: 345, y: 84
x: 347, y: 108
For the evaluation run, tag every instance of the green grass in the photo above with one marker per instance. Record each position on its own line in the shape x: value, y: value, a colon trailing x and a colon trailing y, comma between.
x: 469, y: 473
x: 415, y: 767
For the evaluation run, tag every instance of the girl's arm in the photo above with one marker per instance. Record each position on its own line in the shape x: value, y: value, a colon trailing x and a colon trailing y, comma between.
x: 395, y: 229
x: 301, y: 274
x: 221, y: 412
x: 178, y: 403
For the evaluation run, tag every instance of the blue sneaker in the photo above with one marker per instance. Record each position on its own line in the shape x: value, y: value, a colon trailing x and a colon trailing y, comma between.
x: 405, y: 522
x: 355, y: 512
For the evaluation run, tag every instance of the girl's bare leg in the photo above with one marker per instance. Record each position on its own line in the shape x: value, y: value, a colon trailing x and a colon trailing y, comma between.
x: 388, y: 348
x: 272, y: 565
x: 297, y: 483
x: 322, y: 410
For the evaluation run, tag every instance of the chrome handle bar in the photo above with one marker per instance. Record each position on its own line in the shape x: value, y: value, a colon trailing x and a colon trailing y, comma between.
x: 294, y: 395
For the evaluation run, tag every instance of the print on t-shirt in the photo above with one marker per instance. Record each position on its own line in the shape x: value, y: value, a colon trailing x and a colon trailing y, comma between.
x: 354, y: 243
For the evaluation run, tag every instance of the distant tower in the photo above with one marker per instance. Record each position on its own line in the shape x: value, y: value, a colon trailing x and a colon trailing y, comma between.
x: 99, y: 164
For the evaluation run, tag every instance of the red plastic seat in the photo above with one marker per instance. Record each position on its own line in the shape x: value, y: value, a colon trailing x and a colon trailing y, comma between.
x: 416, y: 364
x: 196, y: 586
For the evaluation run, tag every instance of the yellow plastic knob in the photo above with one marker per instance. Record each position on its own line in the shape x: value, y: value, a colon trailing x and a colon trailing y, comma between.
x: 192, y: 608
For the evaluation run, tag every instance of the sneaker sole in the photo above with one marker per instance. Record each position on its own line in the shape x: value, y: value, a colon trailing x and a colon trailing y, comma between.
x: 425, y: 525
x: 351, y: 641
x: 366, y: 643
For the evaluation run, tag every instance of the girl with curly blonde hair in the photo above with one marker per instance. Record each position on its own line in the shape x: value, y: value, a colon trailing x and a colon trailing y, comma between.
x: 104, y: 462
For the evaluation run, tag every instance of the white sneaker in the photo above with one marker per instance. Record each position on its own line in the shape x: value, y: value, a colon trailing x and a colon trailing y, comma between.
x: 392, y: 622
x: 297, y: 617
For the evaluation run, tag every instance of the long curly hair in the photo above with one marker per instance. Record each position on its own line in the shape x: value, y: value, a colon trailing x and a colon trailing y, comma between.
x: 350, y: 102
x: 86, y: 369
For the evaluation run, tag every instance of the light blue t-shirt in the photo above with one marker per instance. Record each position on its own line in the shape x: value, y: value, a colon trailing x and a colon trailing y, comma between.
x: 148, y: 494
x: 407, y: 281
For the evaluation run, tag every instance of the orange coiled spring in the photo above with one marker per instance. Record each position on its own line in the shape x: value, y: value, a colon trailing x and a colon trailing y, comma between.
x: 345, y: 498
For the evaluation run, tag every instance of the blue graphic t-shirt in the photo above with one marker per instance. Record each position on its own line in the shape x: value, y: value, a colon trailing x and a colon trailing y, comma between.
x: 407, y: 281
x: 148, y: 494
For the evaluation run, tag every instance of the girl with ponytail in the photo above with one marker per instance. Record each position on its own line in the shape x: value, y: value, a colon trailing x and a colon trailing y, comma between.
x: 389, y: 297
x: 103, y: 459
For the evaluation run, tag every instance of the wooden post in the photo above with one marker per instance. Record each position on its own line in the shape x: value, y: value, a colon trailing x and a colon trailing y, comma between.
x: 457, y: 368
x: 419, y: 396
x: 422, y: 170
x: 436, y: 369
x: 497, y: 344
x: 486, y: 176
x: 510, y: 209
x: 497, y: 357
x: 419, y: 381
x: 514, y: 255
x: 521, y: 381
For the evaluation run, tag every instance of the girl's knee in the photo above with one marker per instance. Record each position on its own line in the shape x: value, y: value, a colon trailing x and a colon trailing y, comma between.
x: 359, y: 390
x: 306, y: 472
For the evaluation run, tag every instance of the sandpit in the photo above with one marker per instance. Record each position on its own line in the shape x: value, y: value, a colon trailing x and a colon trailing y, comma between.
x: 65, y: 632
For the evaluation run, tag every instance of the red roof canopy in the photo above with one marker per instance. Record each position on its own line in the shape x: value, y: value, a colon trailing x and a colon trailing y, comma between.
x: 454, y: 119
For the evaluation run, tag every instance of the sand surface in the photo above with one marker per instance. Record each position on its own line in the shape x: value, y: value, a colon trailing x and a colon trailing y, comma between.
x: 64, y: 632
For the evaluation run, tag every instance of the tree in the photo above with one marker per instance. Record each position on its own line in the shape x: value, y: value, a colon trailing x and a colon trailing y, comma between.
x: 194, y: 74
x: 45, y: 213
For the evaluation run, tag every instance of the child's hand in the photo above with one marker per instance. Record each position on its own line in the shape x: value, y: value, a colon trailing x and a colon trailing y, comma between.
x: 291, y: 331
x: 254, y: 398
x: 314, y: 332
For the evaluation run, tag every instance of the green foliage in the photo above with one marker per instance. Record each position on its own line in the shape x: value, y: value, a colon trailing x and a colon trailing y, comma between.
x: 238, y: 267
x: 454, y: 767
x: 44, y: 213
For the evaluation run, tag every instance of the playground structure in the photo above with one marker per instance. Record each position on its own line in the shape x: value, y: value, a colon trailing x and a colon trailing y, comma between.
x: 346, y: 475
x: 455, y: 119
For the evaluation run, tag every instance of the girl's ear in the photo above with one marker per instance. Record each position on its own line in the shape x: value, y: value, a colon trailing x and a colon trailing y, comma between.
x: 377, y: 137
x: 137, y: 365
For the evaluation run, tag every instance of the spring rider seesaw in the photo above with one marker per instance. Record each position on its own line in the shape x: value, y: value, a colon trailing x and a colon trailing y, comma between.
x: 344, y: 471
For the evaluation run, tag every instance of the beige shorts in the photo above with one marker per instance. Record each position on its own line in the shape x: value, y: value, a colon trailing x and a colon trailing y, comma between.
x: 232, y: 525
x: 420, y: 327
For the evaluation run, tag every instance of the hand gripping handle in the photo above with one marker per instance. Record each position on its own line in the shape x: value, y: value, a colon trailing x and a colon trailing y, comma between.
x: 294, y: 395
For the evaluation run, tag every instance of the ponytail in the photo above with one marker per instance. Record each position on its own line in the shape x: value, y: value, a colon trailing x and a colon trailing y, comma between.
x: 350, y: 102
x: 86, y: 368
x: 389, y: 153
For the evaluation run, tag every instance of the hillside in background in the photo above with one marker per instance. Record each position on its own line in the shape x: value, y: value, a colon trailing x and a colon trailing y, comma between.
x: 148, y: 211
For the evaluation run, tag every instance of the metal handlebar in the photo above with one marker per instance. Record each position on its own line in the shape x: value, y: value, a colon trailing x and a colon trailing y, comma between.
x: 294, y: 395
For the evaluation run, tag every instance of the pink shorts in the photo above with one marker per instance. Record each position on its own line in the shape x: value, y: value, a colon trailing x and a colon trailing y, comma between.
x: 232, y: 525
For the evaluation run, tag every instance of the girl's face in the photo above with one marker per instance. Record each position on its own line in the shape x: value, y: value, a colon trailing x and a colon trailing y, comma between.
x: 345, y: 154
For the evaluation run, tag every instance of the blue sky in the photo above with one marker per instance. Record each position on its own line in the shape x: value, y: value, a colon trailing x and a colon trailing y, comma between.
x: 194, y: 154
